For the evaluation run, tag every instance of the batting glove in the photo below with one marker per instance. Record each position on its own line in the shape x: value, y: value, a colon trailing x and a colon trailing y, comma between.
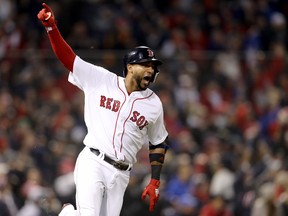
x: 47, y: 18
x: 152, y: 190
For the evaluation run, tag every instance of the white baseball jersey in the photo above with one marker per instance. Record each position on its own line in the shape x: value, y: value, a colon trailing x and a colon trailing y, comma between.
x: 118, y: 123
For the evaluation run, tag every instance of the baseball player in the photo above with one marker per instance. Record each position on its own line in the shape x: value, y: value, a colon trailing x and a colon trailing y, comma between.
x: 122, y: 114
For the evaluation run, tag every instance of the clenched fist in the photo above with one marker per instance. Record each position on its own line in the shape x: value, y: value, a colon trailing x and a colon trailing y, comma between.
x: 47, y: 18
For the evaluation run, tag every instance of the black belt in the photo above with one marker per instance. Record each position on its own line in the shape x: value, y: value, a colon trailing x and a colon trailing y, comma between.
x: 117, y: 164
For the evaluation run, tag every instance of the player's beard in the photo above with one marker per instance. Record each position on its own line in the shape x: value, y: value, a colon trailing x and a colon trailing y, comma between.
x: 142, y: 84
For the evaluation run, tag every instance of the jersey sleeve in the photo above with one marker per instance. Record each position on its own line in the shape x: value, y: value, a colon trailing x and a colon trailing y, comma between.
x: 157, y: 132
x: 88, y: 76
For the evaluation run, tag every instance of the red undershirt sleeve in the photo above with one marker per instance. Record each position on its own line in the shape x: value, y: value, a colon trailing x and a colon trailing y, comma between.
x: 61, y: 49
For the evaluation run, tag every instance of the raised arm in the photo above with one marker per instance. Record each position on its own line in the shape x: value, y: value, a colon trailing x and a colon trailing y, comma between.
x: 61, y: 49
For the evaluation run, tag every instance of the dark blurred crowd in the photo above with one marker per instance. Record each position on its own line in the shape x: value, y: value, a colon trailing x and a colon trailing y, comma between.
x: 224, y: 86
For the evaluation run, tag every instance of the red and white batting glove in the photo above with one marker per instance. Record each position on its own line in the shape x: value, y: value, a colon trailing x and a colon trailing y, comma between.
x: 47, y: 18
x: 152, y: 190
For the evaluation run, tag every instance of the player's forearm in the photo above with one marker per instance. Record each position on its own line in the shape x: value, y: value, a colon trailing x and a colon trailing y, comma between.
x: 61, y: 49
x: 156, y: 171
x: 157, y: 156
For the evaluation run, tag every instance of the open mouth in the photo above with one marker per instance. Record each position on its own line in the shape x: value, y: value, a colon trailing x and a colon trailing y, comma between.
x: 147, y: 78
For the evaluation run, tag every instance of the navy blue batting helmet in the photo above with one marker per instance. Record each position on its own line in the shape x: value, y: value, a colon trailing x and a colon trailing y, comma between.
x: 140, y: 55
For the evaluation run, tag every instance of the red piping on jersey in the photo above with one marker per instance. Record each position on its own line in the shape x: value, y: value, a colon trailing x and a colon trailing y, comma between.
x: 113, y: 141
x: 129, y: 117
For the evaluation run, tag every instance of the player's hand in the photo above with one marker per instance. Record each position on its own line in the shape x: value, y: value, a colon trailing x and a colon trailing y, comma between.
x: 46, y: 16
x: 152, y: 190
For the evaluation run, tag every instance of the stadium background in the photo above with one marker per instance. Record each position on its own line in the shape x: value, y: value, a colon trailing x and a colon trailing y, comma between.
x: 224, y: 88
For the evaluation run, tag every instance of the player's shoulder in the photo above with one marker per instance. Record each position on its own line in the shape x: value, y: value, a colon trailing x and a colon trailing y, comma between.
x: 152, y: 95
x: 91, y: 68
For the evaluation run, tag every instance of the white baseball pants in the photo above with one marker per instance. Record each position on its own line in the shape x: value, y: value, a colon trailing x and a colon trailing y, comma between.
x: 100, y: 187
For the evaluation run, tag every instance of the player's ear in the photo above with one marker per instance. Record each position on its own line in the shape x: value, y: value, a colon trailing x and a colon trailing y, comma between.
x: 129, y: 68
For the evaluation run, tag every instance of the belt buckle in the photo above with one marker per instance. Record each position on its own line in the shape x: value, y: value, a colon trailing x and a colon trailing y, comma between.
x: 121, y: 165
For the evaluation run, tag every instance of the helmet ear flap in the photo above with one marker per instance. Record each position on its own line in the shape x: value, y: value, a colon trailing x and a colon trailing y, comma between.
x: 155, y: 75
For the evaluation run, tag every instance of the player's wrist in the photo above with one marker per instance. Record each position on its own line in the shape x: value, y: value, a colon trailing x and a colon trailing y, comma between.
x: 156, y: 171
x: 50, y: 28
x: 155, y: 182
x: 50, y: 24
